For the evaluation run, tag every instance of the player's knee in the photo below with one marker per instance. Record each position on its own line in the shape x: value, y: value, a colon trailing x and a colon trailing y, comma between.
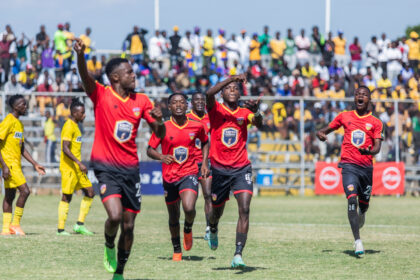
x: 25, y: 192
x: 363, y: 206
x: 115, y: 218
x: 189, y: 211
x: 128, y: 227
x: 352, y: 203
x: 244, y: 211
x: 66, y: 198
x: 90, y: 193
x: 207, y: 196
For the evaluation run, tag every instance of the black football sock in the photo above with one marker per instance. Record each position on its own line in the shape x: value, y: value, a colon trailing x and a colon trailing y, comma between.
x: 176, y: 242
x: 109, y: 241
x: 240, y: 242
x: 122, y: 260
x: 207, y: 220
x: 80, y: 223
x: 187, y: 227
x: 353, y: 217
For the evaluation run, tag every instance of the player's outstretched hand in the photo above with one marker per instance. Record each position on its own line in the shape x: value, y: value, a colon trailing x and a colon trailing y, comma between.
x: 365, y: 151
x: 205, y: 171
x: 6, y: 173
x: 240, y: 78
x: 40, y: 169
x: 79, y: 46
x: 83, y: 168
x: 321, y: 136
x: 253, y: 105
x: 156, y: 113
x: 167, y: 159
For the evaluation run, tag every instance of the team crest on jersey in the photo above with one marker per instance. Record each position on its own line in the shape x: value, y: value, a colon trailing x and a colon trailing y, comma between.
x: 229, y: 136
x: 79, y: 139
x: 350, y: 187
x: 358, y: 137
x: 240, y: 120
x: 192, y: 135
x: 180, y: 154
x: 136, y: 111
x: 18, y: 135
x: 123, y: 130
x: 103, y: 189
x: 197, y: 143
x: 369, y: 126
x: 214, y: 196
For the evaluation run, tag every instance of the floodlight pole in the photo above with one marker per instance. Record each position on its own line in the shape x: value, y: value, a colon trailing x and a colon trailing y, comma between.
x: 156, y: 15
x: 327, y: 16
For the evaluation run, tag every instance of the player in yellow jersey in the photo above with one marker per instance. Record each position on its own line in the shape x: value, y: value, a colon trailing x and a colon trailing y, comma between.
x: 73, y: 171
x: 12, y: 148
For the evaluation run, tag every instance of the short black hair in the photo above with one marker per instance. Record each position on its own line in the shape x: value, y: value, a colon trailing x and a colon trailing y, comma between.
x: 197, y: 93
x: 114, y: 63
x: 13, y: 99
x: 365, y: 87
x: 175, y: 94
x: 75, y: 102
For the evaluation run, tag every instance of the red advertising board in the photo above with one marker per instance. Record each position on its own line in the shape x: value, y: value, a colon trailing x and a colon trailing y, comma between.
x: 388, y: 178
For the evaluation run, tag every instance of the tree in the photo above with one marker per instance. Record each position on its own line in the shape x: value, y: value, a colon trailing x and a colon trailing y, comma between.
x: 415, y: 28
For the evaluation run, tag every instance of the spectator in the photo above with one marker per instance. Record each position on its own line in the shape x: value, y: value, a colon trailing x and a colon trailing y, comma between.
x: 317, y: 46
x: 63, y: 111
x: 47, y: 59
x: 383, y: 44
x: 13, y: 86
x: 44, y: 100
x: 356, y: 54
x: 277, y: 46
x: 155, y: 47
x: 186, y: 45
x: 302, y: 44
x: 73, y: 81
x: 340, y: 49
x: 350, y: 71
x: 208, y: 47
x: 94, y: 67
x: 49, y: 138
x: 136, y: 44
x: 175, y: 51
x: 289, y: 53
x: 26, y: 75
x: 221, y: 50
x: 414, y: 51
x: 22, y: 47
x: 406, y: 73
x: 197, y: 41
x: 232, y: 47
x: 323, y: 71
x: 296, y: 83
x: 42, y: 38
x: 384, y: 85
x: 264, y: 40
x: 60, y: 39
x: 336, y: 70
x: 254, y: 50
x: 308, y: 72
x: 44, y: 76
x: 87, y: 41
x: 5, y: 56
x: 244, y: 42
x: 372, y: 52
x: 59, y: 85
x: 393, y: 56
x: 328, y: 53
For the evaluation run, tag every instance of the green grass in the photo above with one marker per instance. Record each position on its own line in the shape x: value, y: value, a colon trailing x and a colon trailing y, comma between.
x: 289, y: 238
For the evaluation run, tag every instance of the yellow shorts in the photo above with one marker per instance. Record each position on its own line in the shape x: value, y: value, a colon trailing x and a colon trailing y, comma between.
x: 73, y: 180
x: 16, y: 179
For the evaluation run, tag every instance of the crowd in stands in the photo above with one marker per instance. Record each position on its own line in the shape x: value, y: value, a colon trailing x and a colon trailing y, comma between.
x: 298, y: 63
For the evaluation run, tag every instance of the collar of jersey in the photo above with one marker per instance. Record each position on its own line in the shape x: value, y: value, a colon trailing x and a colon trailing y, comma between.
x: 229, y: 110
x: 176, y: 125
x: 361, y: 117
x: 192, y: 113
x: 118, y: 96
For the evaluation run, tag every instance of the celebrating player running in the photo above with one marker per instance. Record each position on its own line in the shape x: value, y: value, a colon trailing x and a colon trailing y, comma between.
x: 230, y: 166
x: 363, y: 134
x: 118, y: 111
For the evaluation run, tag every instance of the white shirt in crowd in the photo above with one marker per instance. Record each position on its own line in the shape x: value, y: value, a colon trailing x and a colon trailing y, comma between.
x: 233, y: 51
x: 243, y: 43
x: 383, y: 46
x: 372, y: 50
x: 73, y: 79
x: 302, y: 42
x: 197, y: 42
x: 392, y: 56
x: 186, y: 45
x: 155, y: 51
x: 323, y: 72
x: 279, y: 81
x: 350, y: 72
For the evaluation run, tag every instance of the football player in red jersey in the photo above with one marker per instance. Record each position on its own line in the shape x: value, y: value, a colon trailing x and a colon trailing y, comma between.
x: 198, y: 113
x: 363, y: 135
x: 118, y: 112
x: 231, y: 169
x: 179, y: 168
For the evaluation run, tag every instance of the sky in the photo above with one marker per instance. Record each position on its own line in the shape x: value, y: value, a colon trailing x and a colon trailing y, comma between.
x: 112, y: 20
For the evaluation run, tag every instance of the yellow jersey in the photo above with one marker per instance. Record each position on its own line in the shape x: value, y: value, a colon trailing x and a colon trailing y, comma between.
x: 208, y: 46
x: 136, y: 46
x: 87, y: 41
x: 277, y: 48
x: 11, y: 136
x: 254, y: 54
x: 71, y: 133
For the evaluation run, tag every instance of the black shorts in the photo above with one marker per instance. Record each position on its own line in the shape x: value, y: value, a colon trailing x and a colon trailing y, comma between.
x: 357, y: 181
x: 199, y: 175
x: 124, y: 184
x: 237, y: 181
x: 172, y: 190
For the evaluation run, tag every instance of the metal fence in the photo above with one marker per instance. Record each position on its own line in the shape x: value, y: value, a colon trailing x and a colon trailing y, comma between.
x: 293, y: 166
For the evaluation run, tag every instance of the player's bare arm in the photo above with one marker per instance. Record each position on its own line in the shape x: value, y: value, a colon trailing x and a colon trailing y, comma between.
x: 39, y: 168
x: 88, y: 82
x: 154, y: 154
x: 158, y: 127
x: 68, y: 153
x: 322, y: 133
x: 205, y: 171
x: 253, y: 106
x: 372, y: 151
x: 5, y: 169
x: 211, y: 100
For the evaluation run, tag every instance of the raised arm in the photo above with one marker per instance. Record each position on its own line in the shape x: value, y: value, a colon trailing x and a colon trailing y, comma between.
x: 158, y: 127
x: 254, y: 106
x: 67, y: 152
x: 87, y: 80
x: 211, y: 100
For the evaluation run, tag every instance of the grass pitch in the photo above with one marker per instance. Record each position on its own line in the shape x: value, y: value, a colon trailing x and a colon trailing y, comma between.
x: 289, y: 238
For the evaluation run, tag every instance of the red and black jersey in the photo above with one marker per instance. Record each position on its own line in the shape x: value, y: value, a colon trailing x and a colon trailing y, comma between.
x: 179, y: 142
x: 359, y: 132
x: 198, y: 155
x: 228, y: 136
x: 116, y: 124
